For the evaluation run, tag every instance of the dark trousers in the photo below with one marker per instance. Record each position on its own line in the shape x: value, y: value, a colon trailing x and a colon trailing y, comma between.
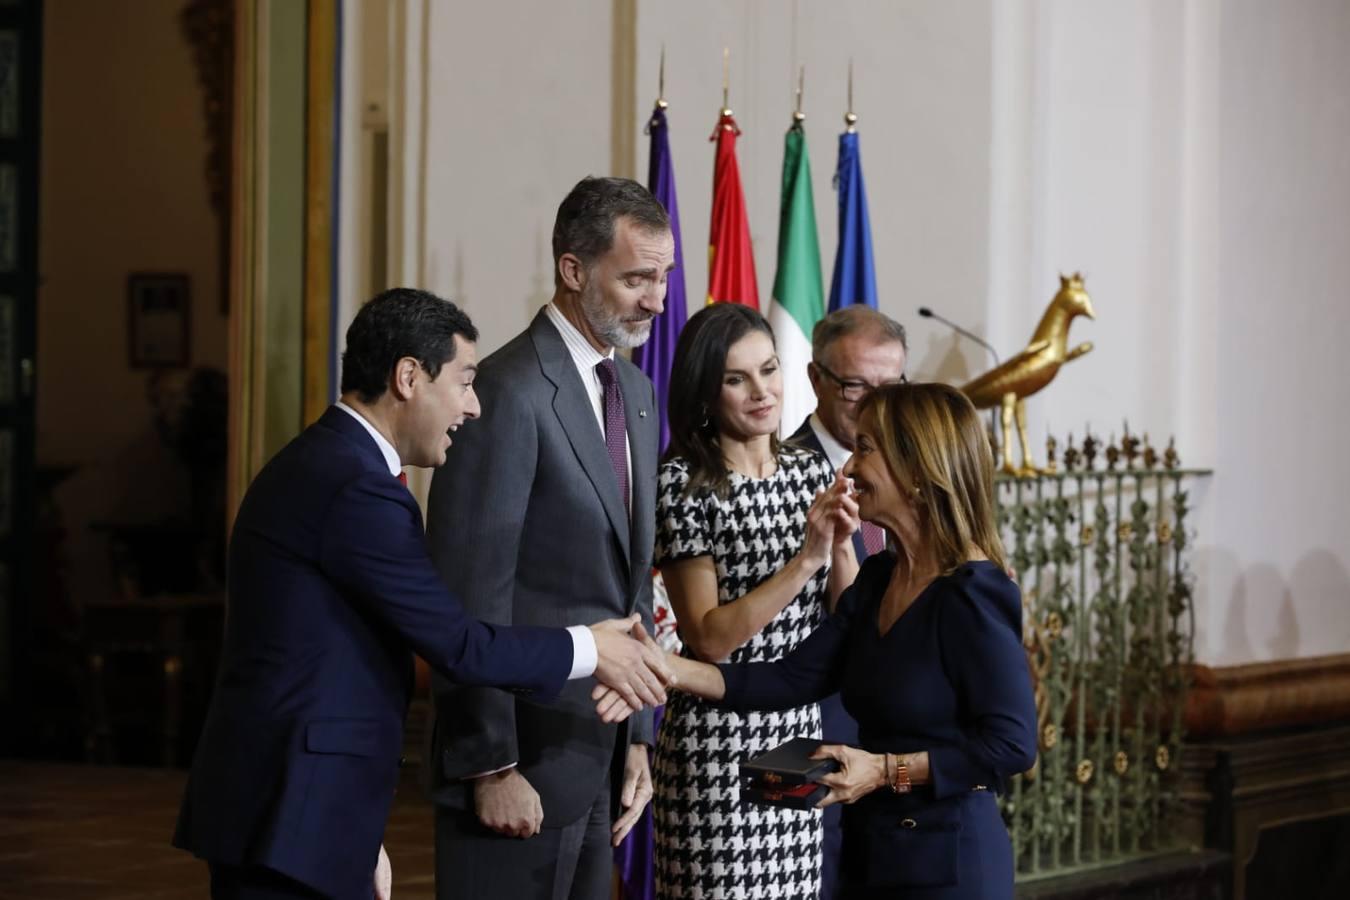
x: 258, y: 883
x: 838, y: 728
x: 574, y: 862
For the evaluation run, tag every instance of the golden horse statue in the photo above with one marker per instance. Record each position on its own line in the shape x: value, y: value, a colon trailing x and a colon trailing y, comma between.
x: 1011, y: 383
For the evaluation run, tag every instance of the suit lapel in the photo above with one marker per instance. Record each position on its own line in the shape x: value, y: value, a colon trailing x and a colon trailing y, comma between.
x: 577, y: 417
x: 805, y: 436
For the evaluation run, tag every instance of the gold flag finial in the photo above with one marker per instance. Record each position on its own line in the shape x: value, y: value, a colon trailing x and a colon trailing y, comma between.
x: 726, y: 81
x: 850, y: 118
x: 661, y: 82
x: 798, y: 116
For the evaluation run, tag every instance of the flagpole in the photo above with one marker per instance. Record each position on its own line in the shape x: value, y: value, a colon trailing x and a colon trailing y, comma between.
x: 726, y: 82
x: 798, y: 117
x: 661, y: 82
x: 850, y: 118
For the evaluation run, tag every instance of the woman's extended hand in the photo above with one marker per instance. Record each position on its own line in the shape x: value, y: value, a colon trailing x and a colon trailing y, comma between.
x: 860, y: 773
x: 831, y: 520
x: 845, y: 514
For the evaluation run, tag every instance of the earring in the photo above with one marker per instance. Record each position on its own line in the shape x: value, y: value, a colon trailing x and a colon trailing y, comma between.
x: 705, y: 418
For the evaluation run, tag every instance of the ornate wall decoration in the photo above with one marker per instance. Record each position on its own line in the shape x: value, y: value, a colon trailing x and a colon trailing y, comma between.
x: 208, y: 26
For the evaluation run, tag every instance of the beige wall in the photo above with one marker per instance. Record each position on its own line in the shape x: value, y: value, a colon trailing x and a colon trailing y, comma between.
x: 1192, y: 160
x: 123, y: 190
x: 517, y: 110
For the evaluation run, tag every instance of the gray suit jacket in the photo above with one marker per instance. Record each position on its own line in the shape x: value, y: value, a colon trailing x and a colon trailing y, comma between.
x: 526, y: 524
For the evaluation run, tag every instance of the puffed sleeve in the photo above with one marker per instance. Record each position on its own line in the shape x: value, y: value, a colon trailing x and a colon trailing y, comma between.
x: 683, y: 521
x: 980, y: 637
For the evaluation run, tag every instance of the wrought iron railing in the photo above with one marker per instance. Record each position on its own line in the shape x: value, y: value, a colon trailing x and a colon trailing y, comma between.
x: 1101, y: 556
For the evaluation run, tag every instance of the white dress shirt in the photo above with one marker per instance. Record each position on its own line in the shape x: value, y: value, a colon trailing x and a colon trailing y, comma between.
x: 835, y: 452
x: 585, y: 657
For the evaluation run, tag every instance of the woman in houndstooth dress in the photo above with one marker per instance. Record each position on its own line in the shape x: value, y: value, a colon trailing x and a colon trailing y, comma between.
x: 750, y: 559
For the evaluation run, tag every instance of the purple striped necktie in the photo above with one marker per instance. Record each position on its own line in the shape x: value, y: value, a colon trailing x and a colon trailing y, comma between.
x: 616, y: 425
x: 874, y: 538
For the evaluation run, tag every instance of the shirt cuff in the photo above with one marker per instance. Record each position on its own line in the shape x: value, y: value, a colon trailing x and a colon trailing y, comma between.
x: 477, y: 775
x: 584, y: 655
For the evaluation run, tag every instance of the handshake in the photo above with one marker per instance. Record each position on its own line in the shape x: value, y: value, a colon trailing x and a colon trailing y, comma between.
x: 630, y: 667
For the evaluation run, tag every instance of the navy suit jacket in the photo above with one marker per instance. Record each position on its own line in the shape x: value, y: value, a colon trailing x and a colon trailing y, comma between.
x: 330, y: 592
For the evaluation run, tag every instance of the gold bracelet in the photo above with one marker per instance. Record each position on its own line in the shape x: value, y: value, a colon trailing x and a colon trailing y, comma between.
x: 901, y: 784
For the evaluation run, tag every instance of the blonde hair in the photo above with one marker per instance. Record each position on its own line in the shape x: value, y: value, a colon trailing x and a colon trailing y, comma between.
x: 935, y: 446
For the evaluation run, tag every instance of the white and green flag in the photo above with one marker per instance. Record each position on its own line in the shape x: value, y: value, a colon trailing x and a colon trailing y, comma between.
x: 798, y: 298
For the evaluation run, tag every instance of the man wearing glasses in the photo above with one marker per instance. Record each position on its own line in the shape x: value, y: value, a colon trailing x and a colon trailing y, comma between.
x: 853, y: 350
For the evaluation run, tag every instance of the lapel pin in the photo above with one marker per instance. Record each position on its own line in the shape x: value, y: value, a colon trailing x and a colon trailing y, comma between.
x: 642, y: 414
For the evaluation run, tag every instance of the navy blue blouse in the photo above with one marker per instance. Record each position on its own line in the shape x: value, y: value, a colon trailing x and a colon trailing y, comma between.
x: 950, y: 675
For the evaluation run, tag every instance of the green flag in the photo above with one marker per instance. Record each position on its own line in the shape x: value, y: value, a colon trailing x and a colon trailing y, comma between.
x: 798, y: 298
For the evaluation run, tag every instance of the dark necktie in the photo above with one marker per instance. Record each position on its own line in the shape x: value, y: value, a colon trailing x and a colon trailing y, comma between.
x: 874, y: 538
x: 616, y: 426
x: 403, y: 478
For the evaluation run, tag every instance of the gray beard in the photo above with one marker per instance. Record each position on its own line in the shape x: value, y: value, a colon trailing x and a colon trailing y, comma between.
x: 610, y: 328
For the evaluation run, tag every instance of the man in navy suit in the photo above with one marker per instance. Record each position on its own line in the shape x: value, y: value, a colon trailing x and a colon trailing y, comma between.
x: 853, y: 350
x: 330, y: 592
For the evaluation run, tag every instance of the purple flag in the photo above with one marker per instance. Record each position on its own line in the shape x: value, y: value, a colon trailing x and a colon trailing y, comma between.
x: 634, y: 856
x: 637, y: 869
x: 655, y: 356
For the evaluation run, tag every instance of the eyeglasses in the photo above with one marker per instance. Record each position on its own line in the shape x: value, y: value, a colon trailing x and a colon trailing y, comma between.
x: 852, y: 391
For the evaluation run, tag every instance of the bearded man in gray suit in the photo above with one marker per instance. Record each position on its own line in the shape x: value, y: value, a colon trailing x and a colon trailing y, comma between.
x: 544, y: 513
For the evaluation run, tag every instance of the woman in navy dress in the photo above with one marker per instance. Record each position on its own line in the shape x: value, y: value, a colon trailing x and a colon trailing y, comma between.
x: 926, y: 650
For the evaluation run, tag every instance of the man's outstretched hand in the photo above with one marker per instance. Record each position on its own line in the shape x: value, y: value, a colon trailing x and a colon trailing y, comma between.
x: 633, y: 668
x: 610, y: 705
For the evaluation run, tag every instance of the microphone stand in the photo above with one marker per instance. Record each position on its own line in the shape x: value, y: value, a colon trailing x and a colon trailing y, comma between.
x: 927, y: 313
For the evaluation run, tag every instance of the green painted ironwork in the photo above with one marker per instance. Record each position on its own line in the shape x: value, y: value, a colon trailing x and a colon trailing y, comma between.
x: 1101, y: 555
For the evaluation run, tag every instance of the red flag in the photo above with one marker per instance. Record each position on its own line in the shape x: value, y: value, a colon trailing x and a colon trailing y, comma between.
x: 731, y: 262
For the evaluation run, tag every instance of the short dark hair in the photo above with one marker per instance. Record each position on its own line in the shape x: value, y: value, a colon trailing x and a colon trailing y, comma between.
x: 397, y: 323
x: 853, y: 320
x: 584, y: 226
x: 696, y: 386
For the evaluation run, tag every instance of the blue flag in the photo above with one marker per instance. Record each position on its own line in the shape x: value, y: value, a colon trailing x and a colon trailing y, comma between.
x: 655, y: 356
x: 855, y: 274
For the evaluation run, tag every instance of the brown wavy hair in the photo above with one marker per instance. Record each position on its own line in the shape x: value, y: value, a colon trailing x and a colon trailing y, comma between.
x: 932, y: 440
x: 696, y: 388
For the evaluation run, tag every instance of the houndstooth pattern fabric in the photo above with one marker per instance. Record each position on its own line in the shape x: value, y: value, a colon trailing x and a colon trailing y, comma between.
x: 708, y: 843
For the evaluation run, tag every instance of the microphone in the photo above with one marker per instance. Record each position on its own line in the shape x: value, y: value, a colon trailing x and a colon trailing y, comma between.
x: 929, y: 314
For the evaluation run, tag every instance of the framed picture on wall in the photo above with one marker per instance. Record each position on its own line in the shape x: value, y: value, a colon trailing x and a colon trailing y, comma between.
x: 157, y: 320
